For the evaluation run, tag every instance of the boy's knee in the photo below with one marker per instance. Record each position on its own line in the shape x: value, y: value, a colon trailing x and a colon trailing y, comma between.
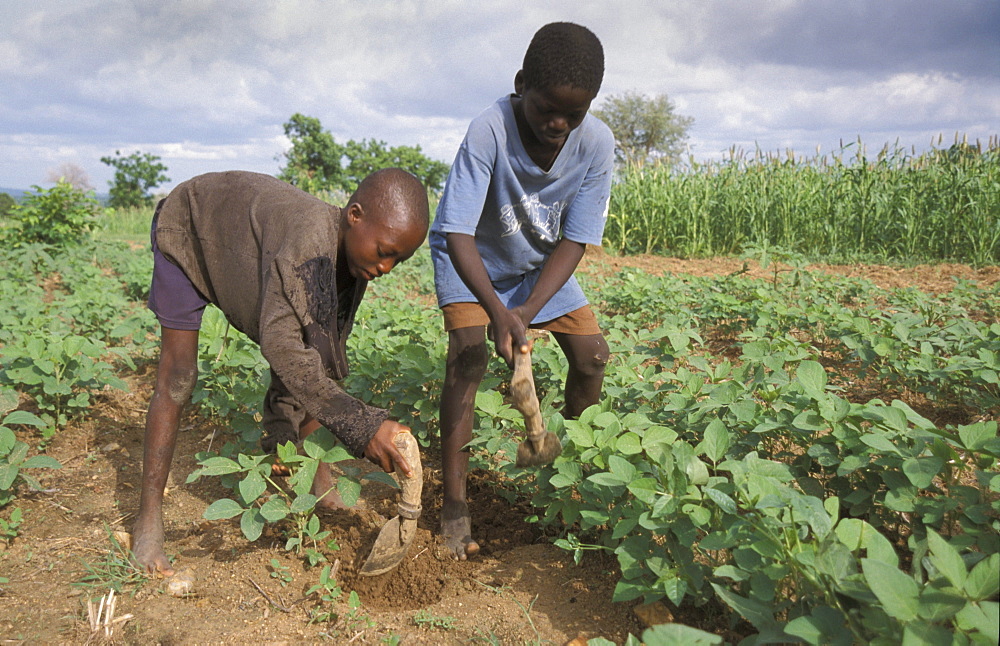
x: 470, y: 363
x: 594, y: 359
x: 181, y: 383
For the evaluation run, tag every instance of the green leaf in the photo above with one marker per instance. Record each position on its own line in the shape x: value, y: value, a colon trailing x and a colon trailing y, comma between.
x: 725, y: 503
x: 629, y: 444
x: 880, y: 443
x: 8, y: 473
x: 857, y: 534
x: 218, y: 466
x: 716, y: 441
x: 898, y: 593
x: 318, y: 443
x: 697, y: 471
x: 622, y: 468
x: 920, y: 633
x: 921, y: 471
x: 825, y: 625
x: 349, y: 490
x: 605, y: 479
x: 580, y: 434
x: 383, y: 477
x: 984, y: 580
x: 252, y: 486
x: 221, y: 509
x: 274, y: 509
x: 302, y: 480
x: 759, y: 614
x: 812, y: 377
x: 252, y: 524
x: 645, y: 489
x: 25, y: 418
x: 628, y: 590
x: 811, y: 510
x: 41, y: 462
x: 303, y: 503
x: 9, y: 399
x: 983, y: 617
x: 975, y: 436
x: 946, y: 559
x: 678, y: 635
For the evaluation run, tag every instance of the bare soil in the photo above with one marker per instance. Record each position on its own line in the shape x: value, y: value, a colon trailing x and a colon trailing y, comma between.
x: 520, y: 589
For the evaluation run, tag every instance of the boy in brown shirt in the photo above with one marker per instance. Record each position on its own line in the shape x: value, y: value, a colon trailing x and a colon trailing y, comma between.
x: 289, y: 271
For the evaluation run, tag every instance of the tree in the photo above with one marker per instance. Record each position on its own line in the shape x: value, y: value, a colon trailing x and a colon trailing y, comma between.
x: 135, y: 176
x: 316, y: 162
x: 645, y: 129
x: 367, y: 156
x: 58, y: 215
x: 72, y: 174
x: 7, y: 204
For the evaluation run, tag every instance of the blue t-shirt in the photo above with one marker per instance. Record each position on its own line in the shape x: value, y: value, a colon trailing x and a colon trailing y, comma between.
x: 519, y: 212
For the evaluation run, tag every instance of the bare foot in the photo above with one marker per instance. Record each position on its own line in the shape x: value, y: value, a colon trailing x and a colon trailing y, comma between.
x: 147, y: 547
x: 456, y: 528
x: 325, y: 488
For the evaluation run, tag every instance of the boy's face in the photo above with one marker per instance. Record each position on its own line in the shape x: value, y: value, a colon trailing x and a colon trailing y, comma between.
x: 552, y: 113
x: 373, y: 244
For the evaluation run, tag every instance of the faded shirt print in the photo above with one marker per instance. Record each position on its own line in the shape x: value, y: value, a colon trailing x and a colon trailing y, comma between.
x: 544, y: 220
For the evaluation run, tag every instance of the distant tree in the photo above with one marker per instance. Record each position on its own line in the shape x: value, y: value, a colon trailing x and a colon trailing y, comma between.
x: 316, y: 162
x: 58, y: 215
x: 646, y: 129
x: 313, y: 163
x: 367, y: 156
x: 7, y: 203
x: 72, y: 174
x: 135, y: 177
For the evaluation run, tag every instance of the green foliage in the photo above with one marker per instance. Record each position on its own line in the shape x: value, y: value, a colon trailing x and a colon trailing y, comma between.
x: 314, y: 162
x: 646, y: 129
x: 66, y: 324
x: 328, y: 590
x: 755, y: 474
x: 368, y: 155
x: 426, y: 619
x: 281, y: 572
x: 317, y: 163
x: 135, y: 176
x: 260, y: 500
x: 114, y: 570
x: 895, y: 206
x: 7, y: 204
x: 14, y: 459
x: 59, y: 215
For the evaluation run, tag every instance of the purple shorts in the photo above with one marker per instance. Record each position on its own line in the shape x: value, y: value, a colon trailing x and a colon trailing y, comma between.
x: 172, y: 297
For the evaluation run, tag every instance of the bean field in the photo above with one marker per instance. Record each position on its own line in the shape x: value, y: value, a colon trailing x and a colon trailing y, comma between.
x: 784, y: 452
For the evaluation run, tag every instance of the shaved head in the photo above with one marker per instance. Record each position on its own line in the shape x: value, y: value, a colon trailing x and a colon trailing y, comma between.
x: 395, y: 197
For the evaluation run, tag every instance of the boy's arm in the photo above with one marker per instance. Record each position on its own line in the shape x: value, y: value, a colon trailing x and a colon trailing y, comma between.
x: 365, y: 430
x: 557, y: 270
x: 509, y: 329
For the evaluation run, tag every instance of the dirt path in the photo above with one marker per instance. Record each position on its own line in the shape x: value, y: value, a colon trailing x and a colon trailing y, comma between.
x: 520, y: 590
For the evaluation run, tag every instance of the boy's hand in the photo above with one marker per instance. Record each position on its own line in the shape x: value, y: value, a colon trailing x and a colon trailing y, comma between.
x: 508, y: 331
x: 382, y: 450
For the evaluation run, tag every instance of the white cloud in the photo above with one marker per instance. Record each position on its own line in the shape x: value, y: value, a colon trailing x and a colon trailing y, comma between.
x: 206, y: 83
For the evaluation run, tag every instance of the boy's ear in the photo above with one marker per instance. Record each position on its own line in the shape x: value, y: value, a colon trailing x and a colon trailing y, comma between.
x: 519, y: 83
x: 353, y: 213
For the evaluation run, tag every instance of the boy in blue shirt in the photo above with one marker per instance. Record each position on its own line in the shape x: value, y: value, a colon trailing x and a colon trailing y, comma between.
x: 527, y: 192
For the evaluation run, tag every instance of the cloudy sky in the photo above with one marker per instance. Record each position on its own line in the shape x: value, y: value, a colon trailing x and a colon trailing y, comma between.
x: 207, y: 84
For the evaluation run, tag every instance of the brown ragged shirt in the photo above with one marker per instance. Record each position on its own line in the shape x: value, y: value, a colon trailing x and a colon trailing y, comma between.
x: 265, y: 253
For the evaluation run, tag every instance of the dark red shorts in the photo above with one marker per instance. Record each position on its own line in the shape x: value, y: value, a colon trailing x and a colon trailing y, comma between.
x: 172, y: 297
